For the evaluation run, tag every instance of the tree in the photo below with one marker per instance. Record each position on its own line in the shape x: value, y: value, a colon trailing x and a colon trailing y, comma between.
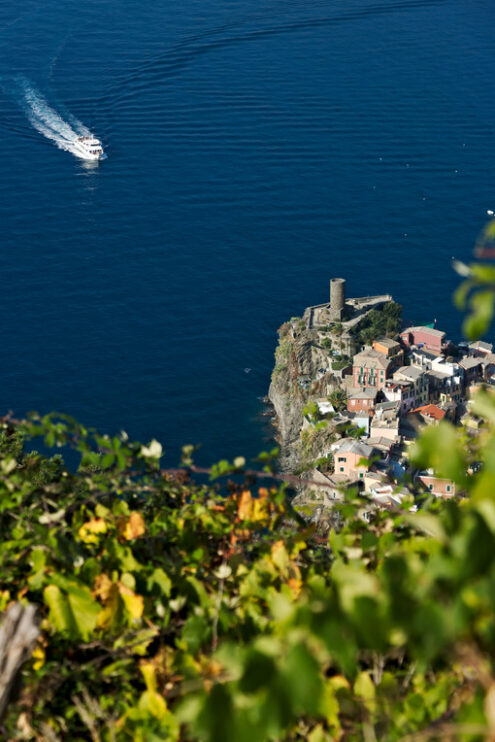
x: 338, y: 399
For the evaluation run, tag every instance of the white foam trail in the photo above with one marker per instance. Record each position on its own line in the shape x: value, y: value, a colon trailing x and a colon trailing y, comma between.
x: 48, y: 122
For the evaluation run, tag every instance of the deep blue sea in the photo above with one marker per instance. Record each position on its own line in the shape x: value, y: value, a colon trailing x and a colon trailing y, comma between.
x: 255, y: 149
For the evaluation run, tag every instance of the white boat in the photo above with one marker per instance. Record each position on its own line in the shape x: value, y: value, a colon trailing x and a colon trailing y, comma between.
x: 89, y: 148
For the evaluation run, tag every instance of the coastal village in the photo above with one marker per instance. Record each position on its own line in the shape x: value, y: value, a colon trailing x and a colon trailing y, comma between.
x: 351, y: 390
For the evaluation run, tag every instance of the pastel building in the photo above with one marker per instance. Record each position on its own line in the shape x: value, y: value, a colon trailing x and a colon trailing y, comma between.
x: 347, y: 455
x: 423, y: 337
x: 370, y: 368
x: 436, y: 485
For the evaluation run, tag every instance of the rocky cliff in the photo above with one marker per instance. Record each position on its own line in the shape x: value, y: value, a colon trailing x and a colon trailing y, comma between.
x: 301, y: 374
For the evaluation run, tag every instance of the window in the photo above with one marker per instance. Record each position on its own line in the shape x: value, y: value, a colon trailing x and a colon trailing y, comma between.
x: 430, y: 487
x: 341, y: 468
x: 361, y: 475
x: 448, y: 488
x: 341, y: 458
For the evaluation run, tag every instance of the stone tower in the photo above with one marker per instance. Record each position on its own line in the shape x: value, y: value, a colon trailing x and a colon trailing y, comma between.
x: 337, y: 298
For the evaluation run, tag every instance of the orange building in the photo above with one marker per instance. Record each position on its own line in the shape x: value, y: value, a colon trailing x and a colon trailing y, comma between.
x: 391, y: 349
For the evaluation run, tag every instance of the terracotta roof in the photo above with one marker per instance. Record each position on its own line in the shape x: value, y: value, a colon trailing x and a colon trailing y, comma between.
x: 430, y: 410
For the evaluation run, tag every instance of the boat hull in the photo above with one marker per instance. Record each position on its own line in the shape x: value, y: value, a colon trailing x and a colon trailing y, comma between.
x: 83, y: 153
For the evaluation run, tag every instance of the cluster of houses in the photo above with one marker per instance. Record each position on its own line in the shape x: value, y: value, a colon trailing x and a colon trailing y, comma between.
x: 394, y: 388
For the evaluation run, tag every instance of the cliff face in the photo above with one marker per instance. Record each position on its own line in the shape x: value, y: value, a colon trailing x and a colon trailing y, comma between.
x: 289, y: 423
x: 300, y: 374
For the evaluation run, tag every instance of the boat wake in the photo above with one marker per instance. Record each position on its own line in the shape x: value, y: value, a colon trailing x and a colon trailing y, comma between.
x: 62, y: 131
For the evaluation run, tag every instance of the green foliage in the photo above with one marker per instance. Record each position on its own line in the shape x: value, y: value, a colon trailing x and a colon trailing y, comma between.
x: 379, y: 322
x: 339, y: 364
x: 477, y: 295
x: 338, y: 399
x: 312, y: 412
x: 172, y: 610
x: 353, y: 431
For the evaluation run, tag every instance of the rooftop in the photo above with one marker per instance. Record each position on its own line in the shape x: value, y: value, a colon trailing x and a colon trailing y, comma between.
x: 481, y: 345
x: 423, y: 353
x: 365, y: 393
x: 371, y: 359
x: 411, y: 372
x: 384, y: 406
x: 398, y: 384
x: 421, y: 328
x: 430, y: 410
x: 441, y: 375
x: 382, y: 443
x: 470, y: 362
x: 388, y: 343
x: 349, y: 445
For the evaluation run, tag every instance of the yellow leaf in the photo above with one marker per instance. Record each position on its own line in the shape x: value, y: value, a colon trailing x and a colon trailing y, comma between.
x: 365, y: 690
x: 90, y: 530
x: 245, y: 506
x: 39, y: 657
x: 295, y: 585
x: 102, y: 587
x: 108, y: 616
x: 133, y: 603
x: 280, y: 558
x: 339, y: 682
x: 154, y: 704
x: 149, y: 674
x: 260, y: 510
x: 133, y: 527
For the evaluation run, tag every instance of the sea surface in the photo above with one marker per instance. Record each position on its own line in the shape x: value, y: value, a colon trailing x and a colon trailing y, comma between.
x: 255, y: 150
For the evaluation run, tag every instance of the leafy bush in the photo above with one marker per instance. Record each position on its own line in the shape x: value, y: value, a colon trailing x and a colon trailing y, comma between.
x: 338, y: 365
x: 174, y: 611
x: 378, y: 322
